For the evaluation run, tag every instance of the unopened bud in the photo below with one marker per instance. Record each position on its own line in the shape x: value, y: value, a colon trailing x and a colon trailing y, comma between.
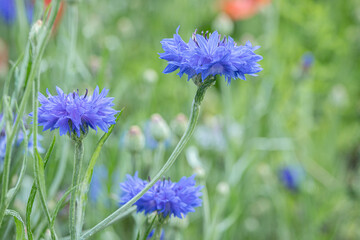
x: 223, y: 188
x: 158, y: 128
x: 200, y: 172
x: 179, y: 124
x: 150, y: 75
x: 180, y: 223
x: 134, y: 140
x: 34, y: 31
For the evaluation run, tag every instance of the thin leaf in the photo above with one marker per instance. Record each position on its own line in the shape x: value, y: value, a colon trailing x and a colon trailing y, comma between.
x: 20, y: 225
x: 97, y: 150
x: 33, y: 191
x: 60, y: 204
x: 12, y: 192
x: 148, y: 231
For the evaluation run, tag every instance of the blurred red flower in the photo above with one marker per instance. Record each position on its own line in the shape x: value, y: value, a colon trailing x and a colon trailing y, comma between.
x: 242, y: 9
x: 4, y: 58
x: 59, y: 14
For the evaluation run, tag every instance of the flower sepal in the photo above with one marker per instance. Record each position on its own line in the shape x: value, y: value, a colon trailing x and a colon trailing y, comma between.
x: 84, y: 130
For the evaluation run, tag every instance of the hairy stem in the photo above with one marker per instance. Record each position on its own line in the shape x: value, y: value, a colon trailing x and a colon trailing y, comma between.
x: 74, y: 200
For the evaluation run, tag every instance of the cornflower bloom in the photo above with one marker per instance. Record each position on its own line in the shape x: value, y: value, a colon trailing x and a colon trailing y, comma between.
x: 19, y: 140
x: 8, y: 10
x: 167, y: 198
x: 291, y: 177
x: 208, y: 54
x: 72, y: 113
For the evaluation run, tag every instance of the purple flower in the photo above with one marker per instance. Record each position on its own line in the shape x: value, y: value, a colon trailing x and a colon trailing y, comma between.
x: 19, y: 140
x: 8, y: 10
x: 165, y: 197
x: 210, y: 55
x: 74, y: 113
x: 291, y: 177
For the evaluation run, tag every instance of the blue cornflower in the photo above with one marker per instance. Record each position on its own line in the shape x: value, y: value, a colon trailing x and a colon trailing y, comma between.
x: 73, y: 113
x: 19, y: 140
x: 291, y: 177
x: 8, y: 10
x: 165, y: 197
x: 210, y: 55
x: 307, y: 60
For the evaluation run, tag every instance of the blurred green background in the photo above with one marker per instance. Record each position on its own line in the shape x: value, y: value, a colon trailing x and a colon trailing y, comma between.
x: 302, y: 111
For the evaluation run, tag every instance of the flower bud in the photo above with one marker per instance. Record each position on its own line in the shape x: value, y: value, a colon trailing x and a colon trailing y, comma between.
x: 34, y: 31
x: 150, y: 75
x: 158, y: 128
x: 134, y: 140
x: 223, y: 24
x: 179, y: 124
x: 223, y: 188
x: 180, y: 223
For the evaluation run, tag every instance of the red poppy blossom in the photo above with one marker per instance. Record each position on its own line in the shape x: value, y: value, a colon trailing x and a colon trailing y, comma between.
x: 242, y: 9
x: 59, y: 14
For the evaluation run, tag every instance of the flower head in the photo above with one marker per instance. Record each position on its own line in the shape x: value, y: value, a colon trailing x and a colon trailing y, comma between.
x: 8, y: 10
x: 291, y: 177
x: 19, y: 139
x: 242, y: 9
x: 74, y: 113
x: 165, y: 197
x: 208, y: 54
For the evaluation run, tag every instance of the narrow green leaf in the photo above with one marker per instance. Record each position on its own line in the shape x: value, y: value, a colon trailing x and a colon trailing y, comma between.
x: 138, y: 235
x: 29, y: 206
x: 33, y: 191
x: 49, y: 151
x: 40, y: 173
x: 60, y: 204
x: 20, y: 234
x: 20, y: 225
x: 148, y: 231
x: 97, y: 150
x: 12, y: 192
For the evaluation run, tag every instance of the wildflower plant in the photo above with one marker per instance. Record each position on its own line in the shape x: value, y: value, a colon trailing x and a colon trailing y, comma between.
x: 202, y: 59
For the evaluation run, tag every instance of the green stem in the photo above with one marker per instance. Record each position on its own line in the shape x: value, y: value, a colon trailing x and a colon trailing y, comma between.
x: 44, y: 36
x: 74, y: 200
x: 206, y: 208
x: 157, y: 234
x: 195, y: 110
x: 159, y: 156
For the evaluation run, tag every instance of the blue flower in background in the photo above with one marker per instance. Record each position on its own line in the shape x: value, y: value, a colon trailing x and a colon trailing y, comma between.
x: 19, y: 140
x: 210, y: 55
x: 74, y: 113
x: 97, y: 185
x: 307, y: 60
x: 151, y: 234
x: 150, y: 141
x: 291, y: 177
x: 8, y: 10
x: 165, y: 197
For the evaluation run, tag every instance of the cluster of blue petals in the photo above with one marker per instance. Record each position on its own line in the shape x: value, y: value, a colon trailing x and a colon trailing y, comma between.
x: 292, y: 176
x: 210, y: 55
x: 165, y: 197
x: 19, y: 140
x: 8, y: 10
x: 74, y: 113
